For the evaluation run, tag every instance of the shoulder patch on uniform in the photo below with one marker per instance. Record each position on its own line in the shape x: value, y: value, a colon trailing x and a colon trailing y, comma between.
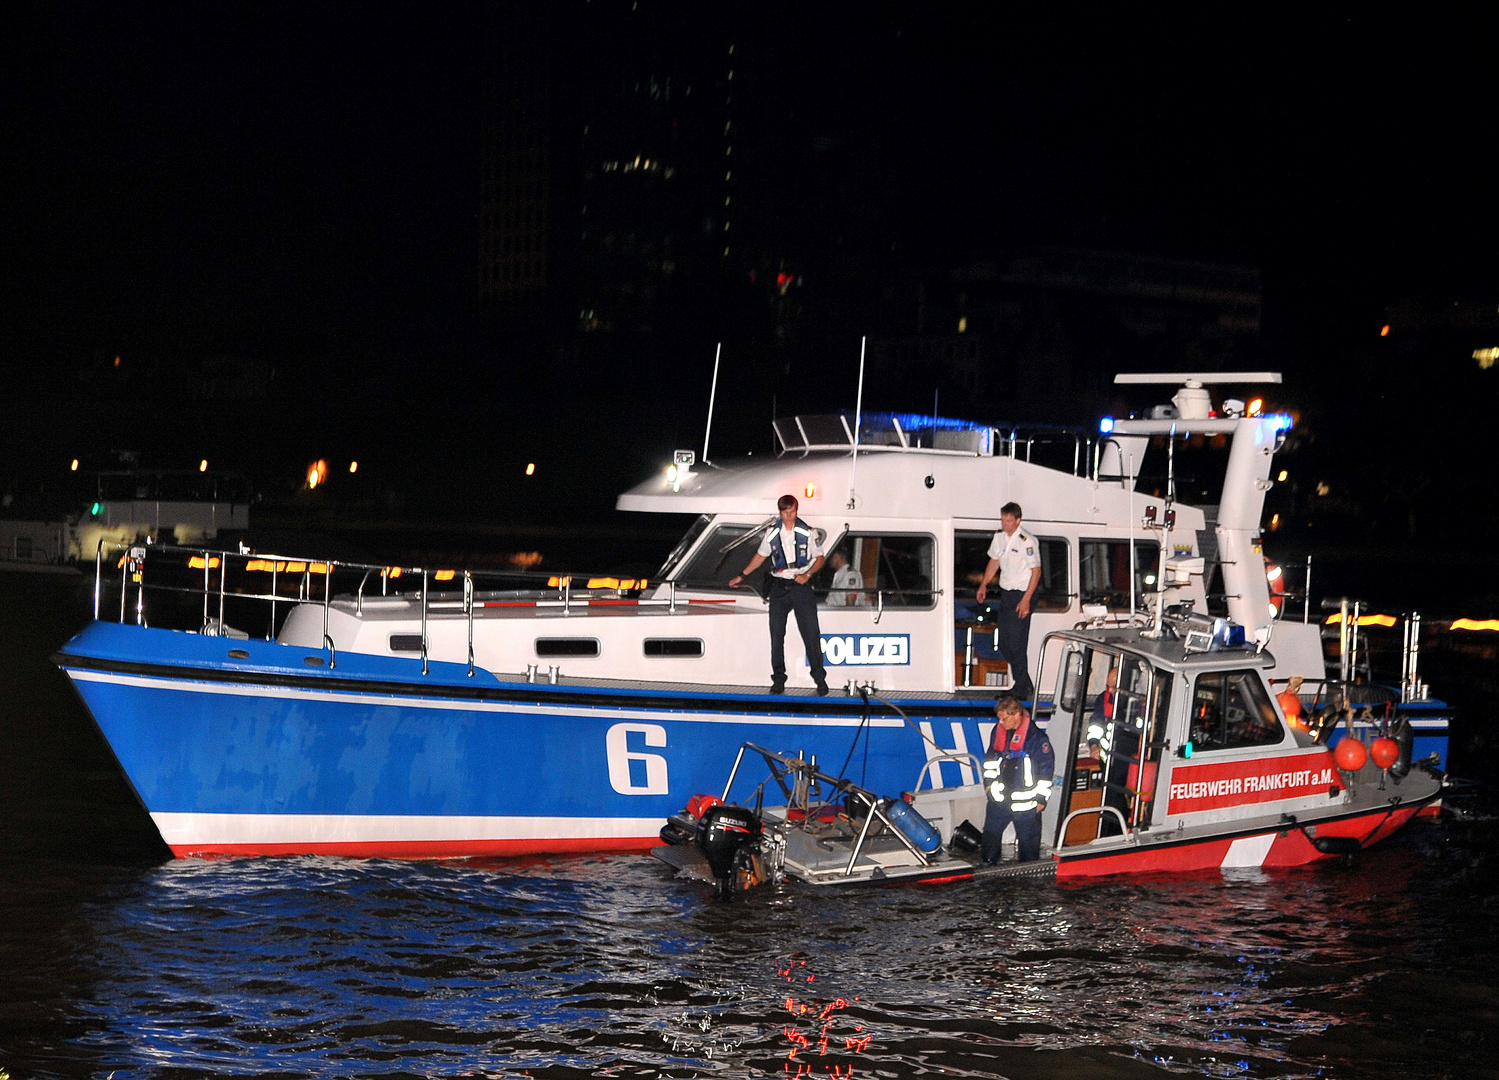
x: 1045, y: 747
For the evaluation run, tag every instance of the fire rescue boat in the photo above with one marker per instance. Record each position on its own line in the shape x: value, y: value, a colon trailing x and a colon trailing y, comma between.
x: 1172, y: 756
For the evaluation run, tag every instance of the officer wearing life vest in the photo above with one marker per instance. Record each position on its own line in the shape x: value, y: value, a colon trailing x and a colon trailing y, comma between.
x: 1017, y: 779
x: 795, y: 555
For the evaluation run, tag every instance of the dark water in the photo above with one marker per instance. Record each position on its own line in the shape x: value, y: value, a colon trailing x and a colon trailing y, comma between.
x: 118, y: 963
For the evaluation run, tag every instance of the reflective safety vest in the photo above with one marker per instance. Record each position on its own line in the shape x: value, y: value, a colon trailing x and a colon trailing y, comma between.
x: 1020, y: 774
x: 803, y: 544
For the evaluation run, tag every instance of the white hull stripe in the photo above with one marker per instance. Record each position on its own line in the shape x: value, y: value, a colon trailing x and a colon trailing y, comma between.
x: 413, y: 701
x: 190, y: 830
x: 1248, y: 850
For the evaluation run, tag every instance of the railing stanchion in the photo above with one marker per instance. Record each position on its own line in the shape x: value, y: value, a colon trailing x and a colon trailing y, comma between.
x: 270, y: 634
x: 124, y: 582
x: 424, y: 621
x: 327, y: 600
x: 223, y: 569
x: 468, y: 605
x: 98, y: 575
x: 671, y: 596
x: 207, y: 562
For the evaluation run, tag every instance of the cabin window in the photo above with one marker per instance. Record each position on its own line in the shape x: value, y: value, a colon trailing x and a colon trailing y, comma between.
x: 567, y: 646
x: 1104, y: 569
x: 406, y: 643
x: 669, y: 646
x: 684, y: 545
x: 722, y: 556
x: 1231, y: 709
x: 866, y: 571
x: 971, y: 557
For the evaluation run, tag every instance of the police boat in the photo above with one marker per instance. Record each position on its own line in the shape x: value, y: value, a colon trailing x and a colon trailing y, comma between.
x: 264, y: 704
x: 1172, y: 756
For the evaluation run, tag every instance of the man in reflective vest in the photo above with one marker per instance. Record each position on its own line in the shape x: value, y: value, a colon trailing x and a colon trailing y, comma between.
x: 795, y: 555
x: 1017, y: 778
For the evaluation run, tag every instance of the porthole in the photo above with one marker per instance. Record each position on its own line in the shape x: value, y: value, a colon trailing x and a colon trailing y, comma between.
x: 567, y: 646
x: 674, y: 646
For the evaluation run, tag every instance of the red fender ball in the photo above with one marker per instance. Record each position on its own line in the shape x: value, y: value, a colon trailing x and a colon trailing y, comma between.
x: 1385, y: 752
x: 1350, y: 755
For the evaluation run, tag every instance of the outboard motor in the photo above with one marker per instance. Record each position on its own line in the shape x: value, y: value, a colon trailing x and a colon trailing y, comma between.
x: 1405, y: 738
x: 729, y: 839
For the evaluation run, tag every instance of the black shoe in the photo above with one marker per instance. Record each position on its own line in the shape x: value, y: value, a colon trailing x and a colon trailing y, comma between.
x: 777, y: 688
x: 822, y: 689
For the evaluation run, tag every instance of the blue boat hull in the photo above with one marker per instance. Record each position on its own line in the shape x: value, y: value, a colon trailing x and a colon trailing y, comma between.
x: 245, y: 748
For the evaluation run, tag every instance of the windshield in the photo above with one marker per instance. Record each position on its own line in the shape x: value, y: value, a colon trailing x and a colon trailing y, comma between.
x: 723, y: 555
x: 684, y: 545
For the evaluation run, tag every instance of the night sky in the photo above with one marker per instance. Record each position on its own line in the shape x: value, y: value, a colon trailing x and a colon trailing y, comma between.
x: 299, y: 183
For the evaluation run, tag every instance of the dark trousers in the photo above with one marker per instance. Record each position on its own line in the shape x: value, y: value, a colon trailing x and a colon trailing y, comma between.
x: 1014, y: 639
x: 785, y: 597
x: 1027, y: 831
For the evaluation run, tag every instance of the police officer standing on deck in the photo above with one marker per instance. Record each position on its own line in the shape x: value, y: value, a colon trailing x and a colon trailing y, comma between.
x: 1014, y: 555
x: 1017, y: 781
x: 795, y: 555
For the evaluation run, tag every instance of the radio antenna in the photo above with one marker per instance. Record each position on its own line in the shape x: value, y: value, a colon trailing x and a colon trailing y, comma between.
x: 712, y: 393
x: 853, y: 499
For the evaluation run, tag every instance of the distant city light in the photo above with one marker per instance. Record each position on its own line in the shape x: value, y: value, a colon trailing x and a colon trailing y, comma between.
x: 203, y: 465
x: 317, y: 473
x: 353, y: 466
x: 117, y: 361
x: 963, y: 325
x: 73, y: 467
x: 1486, y: 357
x: 531, y: 469
x: 1384, y: 331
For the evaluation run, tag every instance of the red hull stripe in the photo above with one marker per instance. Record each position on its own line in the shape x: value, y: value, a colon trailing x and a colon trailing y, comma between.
x: 428, y: 849
x: 1271, y: 849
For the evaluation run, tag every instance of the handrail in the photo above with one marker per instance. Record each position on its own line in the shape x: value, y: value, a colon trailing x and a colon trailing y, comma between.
x: 961, y: 759
x: 1127, y: 834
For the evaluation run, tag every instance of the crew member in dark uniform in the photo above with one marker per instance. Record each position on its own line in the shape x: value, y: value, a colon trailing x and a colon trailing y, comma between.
x: 1017, y: 777
x: 1016, y: 558
x: 795, y: 555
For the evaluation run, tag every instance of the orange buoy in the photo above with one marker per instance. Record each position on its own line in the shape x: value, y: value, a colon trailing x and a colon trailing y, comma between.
x: 1385, y: 752
x: 1290, y: 704
x: 1350, y: 755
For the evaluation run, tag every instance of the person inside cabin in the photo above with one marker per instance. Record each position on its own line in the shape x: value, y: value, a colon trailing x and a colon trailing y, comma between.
x: 847, y: 589
x: 1016, y: 557
x: 795, y: 554
x: 1103, y: 709
x: 1017, y: 781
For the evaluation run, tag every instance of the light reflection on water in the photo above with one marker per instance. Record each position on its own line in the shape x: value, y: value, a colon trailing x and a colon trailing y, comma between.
x: 608, y: 967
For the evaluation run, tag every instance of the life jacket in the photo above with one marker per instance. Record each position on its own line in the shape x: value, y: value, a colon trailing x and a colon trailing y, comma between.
x: 803, y: 545
x: 1018, y: 771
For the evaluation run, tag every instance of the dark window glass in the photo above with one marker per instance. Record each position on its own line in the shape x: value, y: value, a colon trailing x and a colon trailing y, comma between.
x: 1104, y: 569
x: 864, y: 571
x: 674, y: 646
x: 722, y: 556
x: 406, y: 643
x: 1231, y: 709
x: 567, y: 646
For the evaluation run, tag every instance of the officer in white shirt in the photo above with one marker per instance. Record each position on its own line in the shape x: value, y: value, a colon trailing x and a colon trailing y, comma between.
x: 795, y: 555
x: 848, y: 584
x: 1016, y: 557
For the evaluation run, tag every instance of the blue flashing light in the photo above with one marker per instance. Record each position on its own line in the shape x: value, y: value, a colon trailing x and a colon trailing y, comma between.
x: 1281, y: 421
x: 1106, y: 425
x: 913, y: 421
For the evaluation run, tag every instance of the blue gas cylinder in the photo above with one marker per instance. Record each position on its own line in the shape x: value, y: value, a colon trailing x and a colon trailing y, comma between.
x: 917, y: 828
